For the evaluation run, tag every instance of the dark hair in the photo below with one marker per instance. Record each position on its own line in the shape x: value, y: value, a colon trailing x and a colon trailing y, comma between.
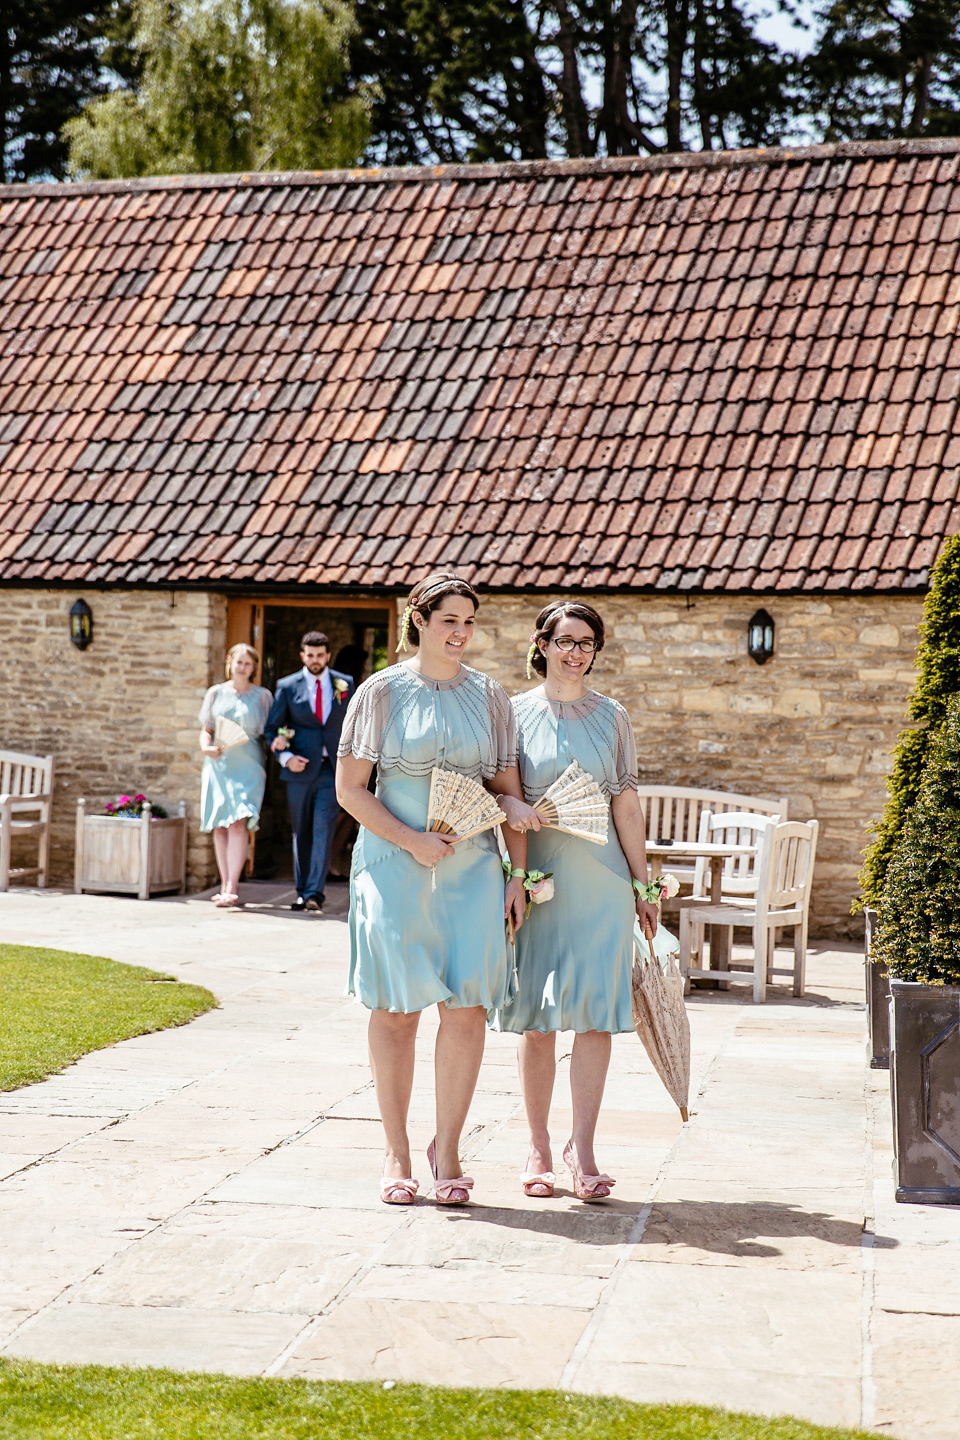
x: 428, y: 595
x: 548, y: 620
x: 315, y: 638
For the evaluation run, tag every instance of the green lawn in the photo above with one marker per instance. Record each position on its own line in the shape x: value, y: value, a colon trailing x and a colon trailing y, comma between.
x: 90, y: 1402
x: 56, y: 1006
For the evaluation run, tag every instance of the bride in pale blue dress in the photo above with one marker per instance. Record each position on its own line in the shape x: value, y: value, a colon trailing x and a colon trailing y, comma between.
x: 575, y: 954
x: 233, y: 780
x: 427, y: 915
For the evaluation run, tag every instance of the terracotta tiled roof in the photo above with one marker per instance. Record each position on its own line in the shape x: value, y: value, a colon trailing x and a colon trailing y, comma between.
x: 724, y: 371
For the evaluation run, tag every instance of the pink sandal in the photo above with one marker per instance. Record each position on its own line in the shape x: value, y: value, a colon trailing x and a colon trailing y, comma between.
x: 398, y: 1192
x: 538, y: 1187
x: 586, y: 1187
x: 448, y: 1192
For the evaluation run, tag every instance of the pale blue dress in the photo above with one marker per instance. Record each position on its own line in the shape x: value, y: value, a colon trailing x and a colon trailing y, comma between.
x: 575, y: 952
x: 231, y: 787
x: 413, y: 945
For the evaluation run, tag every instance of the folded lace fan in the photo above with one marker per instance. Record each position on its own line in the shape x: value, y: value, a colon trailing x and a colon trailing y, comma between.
x: 227, y: 733
x: 575, y: 803
x: 460, y: 806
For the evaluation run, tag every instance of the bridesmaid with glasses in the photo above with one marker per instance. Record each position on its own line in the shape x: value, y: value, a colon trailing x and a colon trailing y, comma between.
x: 575, y: 953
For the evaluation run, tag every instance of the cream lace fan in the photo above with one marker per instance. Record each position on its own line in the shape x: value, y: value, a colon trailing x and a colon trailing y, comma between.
x: 227, y: 733
x: 460, y: 806
x: 575, y: 803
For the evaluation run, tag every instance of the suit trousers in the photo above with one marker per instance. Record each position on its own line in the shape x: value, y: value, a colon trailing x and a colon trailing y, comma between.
x: 313, y: 814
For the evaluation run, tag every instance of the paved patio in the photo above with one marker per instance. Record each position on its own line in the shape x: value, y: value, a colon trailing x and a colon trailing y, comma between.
x: 206, y: 1198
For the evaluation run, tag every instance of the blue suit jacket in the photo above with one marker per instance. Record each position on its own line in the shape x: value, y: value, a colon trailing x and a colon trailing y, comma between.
x: 291, y: 707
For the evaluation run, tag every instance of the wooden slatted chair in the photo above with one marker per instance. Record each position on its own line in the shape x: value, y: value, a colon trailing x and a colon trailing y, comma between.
x: 787, y: 852
x: 672, y: 812
x: 738, y: 875
x: 26, y: 799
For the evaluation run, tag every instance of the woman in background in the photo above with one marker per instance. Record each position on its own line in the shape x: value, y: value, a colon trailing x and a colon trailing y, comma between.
x: 233, y: 779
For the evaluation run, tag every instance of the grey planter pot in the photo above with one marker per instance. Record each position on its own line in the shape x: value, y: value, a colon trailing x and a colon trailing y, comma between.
x: 925, y: 1090
x: 878, y: 999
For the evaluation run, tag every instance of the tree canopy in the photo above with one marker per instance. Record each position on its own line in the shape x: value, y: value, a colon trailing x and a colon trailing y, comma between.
x: 228, y: 85
x: 164, y: 86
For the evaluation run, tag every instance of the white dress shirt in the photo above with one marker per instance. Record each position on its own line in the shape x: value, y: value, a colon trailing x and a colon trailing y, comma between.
x: 325, y: 680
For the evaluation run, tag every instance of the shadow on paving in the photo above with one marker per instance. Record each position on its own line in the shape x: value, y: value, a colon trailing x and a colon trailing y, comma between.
x: 735, y: 1228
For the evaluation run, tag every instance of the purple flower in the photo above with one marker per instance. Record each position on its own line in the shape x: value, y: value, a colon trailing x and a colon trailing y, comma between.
x: 139, y: 799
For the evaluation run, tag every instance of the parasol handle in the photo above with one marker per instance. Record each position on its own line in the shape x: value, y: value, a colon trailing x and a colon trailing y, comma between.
x: 511, y: 928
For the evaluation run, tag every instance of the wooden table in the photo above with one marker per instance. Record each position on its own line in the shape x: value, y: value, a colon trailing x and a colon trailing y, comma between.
x: 707, y: 850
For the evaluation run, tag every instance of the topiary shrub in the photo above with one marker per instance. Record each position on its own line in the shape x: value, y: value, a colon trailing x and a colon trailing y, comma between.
x: 918, y: 930
x: 938, y: 678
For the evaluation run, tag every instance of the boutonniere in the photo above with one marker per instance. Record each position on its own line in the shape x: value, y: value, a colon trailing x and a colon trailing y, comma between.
x: 339, y: 690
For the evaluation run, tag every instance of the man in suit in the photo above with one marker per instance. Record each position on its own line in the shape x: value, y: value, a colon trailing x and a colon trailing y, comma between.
x: 312, y: 703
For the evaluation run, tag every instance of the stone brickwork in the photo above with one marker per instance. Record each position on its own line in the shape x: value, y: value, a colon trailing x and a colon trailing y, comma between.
x: 120, y: 716
x: 817, y: 723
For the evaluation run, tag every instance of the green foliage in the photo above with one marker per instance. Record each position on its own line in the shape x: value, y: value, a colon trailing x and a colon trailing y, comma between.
x: 881, y: 71
x: 501, y: 80
x: 938, y: 678
x: 49, y: 65
x: 226, y: 86
x: 58, y: 1006
x: 90, y: 1402
x: 918, y: 930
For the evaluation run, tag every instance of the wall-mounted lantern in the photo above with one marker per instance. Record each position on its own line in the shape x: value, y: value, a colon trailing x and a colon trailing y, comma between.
x: 760, y: 637
x: 81, y: 624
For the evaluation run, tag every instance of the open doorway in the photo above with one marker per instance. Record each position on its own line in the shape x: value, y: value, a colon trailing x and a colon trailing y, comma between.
x: 359, y: 644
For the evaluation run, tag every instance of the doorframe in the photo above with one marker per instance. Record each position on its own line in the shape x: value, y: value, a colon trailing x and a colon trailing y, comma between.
x: 245, y: 627
x: 245, y: 614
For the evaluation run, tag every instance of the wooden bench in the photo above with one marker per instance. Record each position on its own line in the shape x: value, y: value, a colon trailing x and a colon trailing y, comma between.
x: 672, y: 812
x: 26, y: 798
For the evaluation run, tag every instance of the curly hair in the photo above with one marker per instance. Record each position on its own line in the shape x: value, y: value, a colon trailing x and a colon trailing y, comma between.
x: 548, y: 620
x: 428, y: 595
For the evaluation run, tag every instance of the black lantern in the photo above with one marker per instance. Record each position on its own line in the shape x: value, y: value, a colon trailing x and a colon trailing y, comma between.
x: 760, y: 637
x: 81, y: 624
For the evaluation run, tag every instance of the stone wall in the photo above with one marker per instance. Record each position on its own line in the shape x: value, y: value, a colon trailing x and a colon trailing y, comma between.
x: 120, y: 716
x: 816, y: 723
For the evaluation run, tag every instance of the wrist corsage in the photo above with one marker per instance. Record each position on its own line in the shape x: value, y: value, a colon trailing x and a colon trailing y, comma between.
x: 656, y: 891
x: 339, y: 690
x: 537, y: 883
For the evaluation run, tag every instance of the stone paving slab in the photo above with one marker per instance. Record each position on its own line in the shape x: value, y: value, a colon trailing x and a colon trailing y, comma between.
x: 206, y: 1197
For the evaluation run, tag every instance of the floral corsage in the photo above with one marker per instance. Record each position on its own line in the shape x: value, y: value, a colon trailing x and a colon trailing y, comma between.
x: 339, y: 689
x: 656, y: 891
x: 537, y: 883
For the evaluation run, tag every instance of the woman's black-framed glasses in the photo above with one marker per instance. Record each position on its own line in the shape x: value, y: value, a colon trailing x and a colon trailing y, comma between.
x: 567, y: 643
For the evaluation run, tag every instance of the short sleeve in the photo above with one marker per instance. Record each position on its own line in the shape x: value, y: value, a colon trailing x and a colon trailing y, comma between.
x: 365, y: 720
x: 206, y: 709
x: 506, y: 747
x: 266, y: 703
x: 626, y: 756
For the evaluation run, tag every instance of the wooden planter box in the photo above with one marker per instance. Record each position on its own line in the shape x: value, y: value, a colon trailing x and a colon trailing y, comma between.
x: 925, y: 1087
x: 130, y: 857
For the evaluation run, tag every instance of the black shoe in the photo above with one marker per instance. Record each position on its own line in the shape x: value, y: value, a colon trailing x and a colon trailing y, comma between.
x: 314, y: 904
x: 299, y: 903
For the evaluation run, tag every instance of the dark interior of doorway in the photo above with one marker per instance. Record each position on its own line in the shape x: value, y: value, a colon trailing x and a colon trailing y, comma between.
x: 353, y: 631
